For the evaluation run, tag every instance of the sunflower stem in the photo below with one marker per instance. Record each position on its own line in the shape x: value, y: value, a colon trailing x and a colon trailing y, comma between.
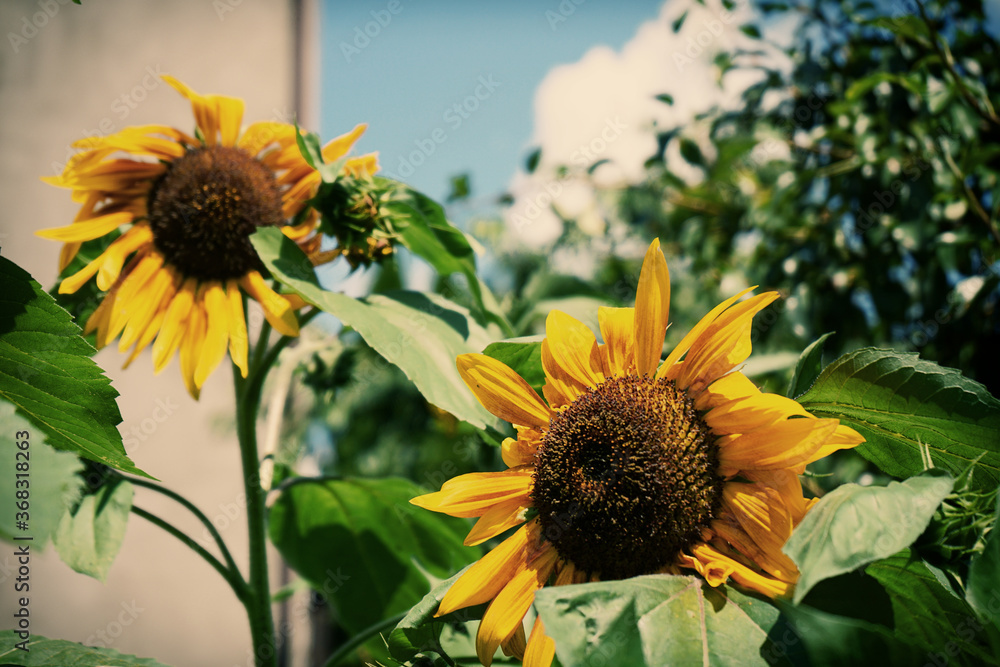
x: 258, y: 598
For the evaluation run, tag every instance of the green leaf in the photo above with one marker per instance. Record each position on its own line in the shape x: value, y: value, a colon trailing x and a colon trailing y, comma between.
x: 312, y: 151
x: 808, y: 368
x: 89, y: 538
x: 364, y: 546
x: 420, y: 631
x: 524, y: 357
x: 460, y: 188
x: 854, y: 525
x: 900, y: 403
x: 750, y: 30
x: 903, y: 25
x: 691, y: 152
x: 52, y: 483
x: 43, y: 652
x: 679, y: 22
x: 862, y: 86
x: 421, y: 333
x: 984, y: 573
x: 47, y: 373
x: 531, y: 163
x: 926, y: 613
x: 656, y: 620
x: 838, y: 641
x: 666, y: 98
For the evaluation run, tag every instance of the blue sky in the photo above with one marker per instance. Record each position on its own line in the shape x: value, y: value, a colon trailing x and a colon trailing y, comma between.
x: 404, y: 65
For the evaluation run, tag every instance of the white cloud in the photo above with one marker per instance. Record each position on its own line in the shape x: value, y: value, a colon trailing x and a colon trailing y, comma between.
x: 605, y: 107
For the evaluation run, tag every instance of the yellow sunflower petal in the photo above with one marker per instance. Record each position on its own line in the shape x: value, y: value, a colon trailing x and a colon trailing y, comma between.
x: 652, y: 310
x: 262, y: 134
x: 87, y: 230
x: 730, y: 387
x: 787, y: 484
x: 338, y: 147
x: 129, y: 298
x: 718, y: 563
x: 724, y: 344
x: 276, y: 308
x: 784, y: 445
x: 559, y: 389
x: 213, y: 348
x: 239, y: 342
x: 114, y: 257
x: 148, y: 335
x: 541, y: 648
x: 669, y: 368
x: 514, y: 646
x: 714, y: 570
x: 122, y: 246
x: 204, y: 108
x: 160, y: 290
x: 502, y: 391
x: 519, y: 451
x: 748, y: 414
x: 756, y: 522
x: 573, y: 353
x: 844, y: 437
x: 229, y: 111
x: 507, y: 610
x: 474, y: 493
x: 500, y: 517
x: 194, y: 335
x: 488, y: 576
x: 364, y: 165
x: 618, y: 331
x: 172, y: 330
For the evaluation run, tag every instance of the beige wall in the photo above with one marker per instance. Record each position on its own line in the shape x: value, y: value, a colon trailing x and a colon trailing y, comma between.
x: 87, y: 70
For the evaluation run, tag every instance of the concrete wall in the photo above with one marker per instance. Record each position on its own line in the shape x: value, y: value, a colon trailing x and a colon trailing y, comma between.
x: 82, y: 70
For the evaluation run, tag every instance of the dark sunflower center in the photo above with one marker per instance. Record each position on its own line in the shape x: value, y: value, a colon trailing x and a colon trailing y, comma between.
x: 625, y: 477
x: 204, y: 209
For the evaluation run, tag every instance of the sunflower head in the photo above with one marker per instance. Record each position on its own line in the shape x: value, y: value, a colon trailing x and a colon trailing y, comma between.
x: 631, y: 465
x: 186, y: 206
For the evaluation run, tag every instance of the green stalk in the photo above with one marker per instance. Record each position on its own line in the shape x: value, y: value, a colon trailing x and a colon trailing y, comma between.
x: 258, y: 599
x: 248, y: 393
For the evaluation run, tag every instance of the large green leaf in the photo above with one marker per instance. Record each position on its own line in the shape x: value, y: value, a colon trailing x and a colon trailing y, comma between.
x: 656, y: 620
x: 89, y: 538
x: 44, y: 652
x: 830, y: 640
x: 900, y: 403
x: 854, y: 525
x: 364, y: 546
x: 926, y: 613
x: 47, y: 373
x: 422, y: 333
x: 52, y: 483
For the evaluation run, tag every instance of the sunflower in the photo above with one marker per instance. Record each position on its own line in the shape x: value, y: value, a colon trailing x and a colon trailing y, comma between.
x: 180, y: 268
x: 630, y: 466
